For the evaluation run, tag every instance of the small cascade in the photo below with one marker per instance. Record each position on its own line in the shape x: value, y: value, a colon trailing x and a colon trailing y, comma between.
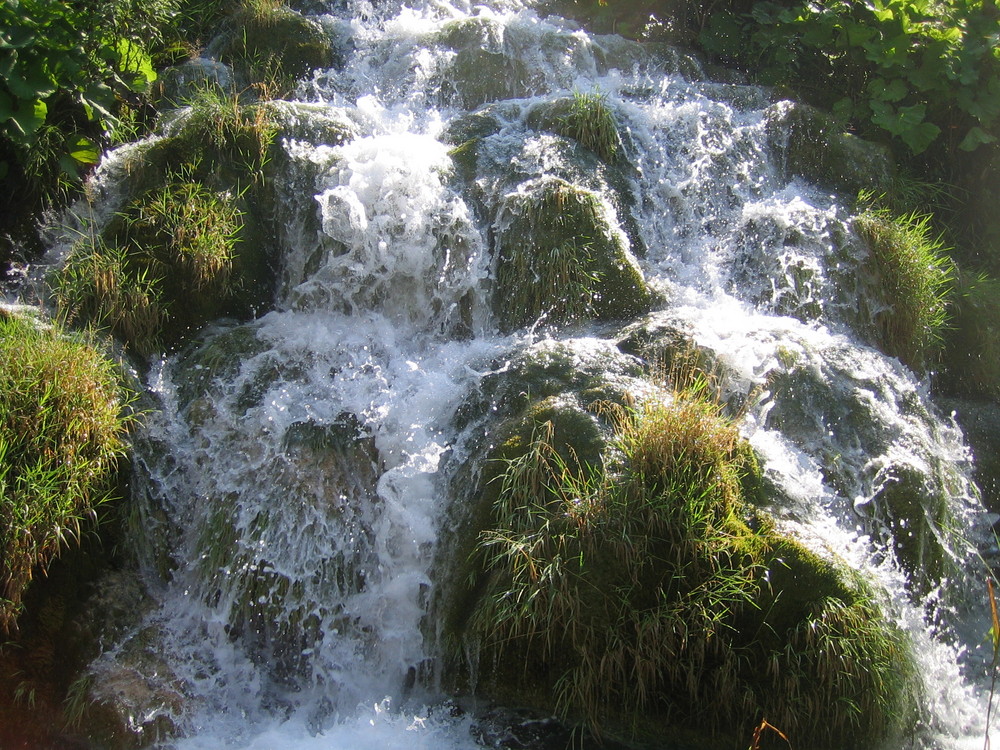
x: 302, y: 480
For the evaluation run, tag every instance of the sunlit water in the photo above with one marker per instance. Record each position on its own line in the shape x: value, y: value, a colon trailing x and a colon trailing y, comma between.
x: 382, y: 328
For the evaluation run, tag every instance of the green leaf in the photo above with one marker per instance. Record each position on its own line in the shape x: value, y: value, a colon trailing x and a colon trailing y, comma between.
x: 83, y: 150
x: 888, y: 91
x: 16, y: 37
x: 29, y: 116
x: 919, y: 137
x: 4, y: 169
x: 975, y: 138
x: 134, y: 59
x: 69, y: 166
x: 30, y: 81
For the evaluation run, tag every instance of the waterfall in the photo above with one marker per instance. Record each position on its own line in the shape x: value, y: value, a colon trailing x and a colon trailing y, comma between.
x: 298, y: 471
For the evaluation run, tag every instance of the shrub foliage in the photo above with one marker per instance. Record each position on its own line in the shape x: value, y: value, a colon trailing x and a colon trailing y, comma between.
x: 63, y: 419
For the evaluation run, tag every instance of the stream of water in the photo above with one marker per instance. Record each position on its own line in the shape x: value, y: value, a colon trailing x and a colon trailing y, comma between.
x: 294, y: 477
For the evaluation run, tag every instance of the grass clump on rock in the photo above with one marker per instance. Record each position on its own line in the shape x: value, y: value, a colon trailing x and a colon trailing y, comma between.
x: 645, y: 594
x: 63, y: 422
x: 167, y: 263
x: 220, y: 141
x: 913, y: 274
x: 559, y: 259
x: 591, y: 123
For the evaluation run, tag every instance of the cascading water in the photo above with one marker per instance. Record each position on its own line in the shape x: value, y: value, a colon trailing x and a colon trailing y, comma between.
x: 294, y: 477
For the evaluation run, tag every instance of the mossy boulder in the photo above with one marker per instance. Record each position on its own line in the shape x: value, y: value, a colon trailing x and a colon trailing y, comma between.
x: 586, y: 118
x: 810, y: 144
x: 133, y: 701
x: 273, y: 46
x: 218, y: 140
x: 217, y: 357
x: 910, y: 276
x: 560, y: 259
x: 639, y: 593
x: 175, y: 258
x: 918, y: 517
x: 483, y: 69
x: 904, y: 497
x: 315, y: 488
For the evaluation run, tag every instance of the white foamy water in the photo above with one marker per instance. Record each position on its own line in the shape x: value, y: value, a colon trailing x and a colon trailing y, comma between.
x: 294, y: 476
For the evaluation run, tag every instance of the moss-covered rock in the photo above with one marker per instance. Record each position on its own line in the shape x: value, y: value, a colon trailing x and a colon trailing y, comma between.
x: 133, y: 701
x: 218, y: 140
x: 910, y: 279
x: 586, y: 118
x: 638, y: 592
x: 175, y: 258
x: 560, y: 259
x: 810, y: 144
x: 483, y: 68
x: 321, y: 483
x: 273, y: 46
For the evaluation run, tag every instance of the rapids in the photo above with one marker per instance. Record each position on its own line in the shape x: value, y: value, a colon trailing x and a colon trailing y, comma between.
x: 294, y: 477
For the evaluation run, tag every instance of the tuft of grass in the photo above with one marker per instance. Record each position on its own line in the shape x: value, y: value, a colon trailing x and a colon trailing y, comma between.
x: 219, y: 141
x: 914, y: 275
x: 555, y: 282
x: 591, y: 123
x: 221, y: 128
x: 190, y: 230
x: 63, y: 422
x: 641, y: 586
x: 622, y: 576
x: 97, y: 288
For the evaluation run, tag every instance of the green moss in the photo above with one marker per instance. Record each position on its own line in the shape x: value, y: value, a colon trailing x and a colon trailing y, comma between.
x: 273, y: 46
x: 810, y: 144
x: 644, y: 593
x: 912, y: 274
x: 972, y: 355
x: 63, y: 419
x: 558, y: 257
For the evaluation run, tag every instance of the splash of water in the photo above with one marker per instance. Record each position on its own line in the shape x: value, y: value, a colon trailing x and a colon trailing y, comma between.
x: 294, y: 471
